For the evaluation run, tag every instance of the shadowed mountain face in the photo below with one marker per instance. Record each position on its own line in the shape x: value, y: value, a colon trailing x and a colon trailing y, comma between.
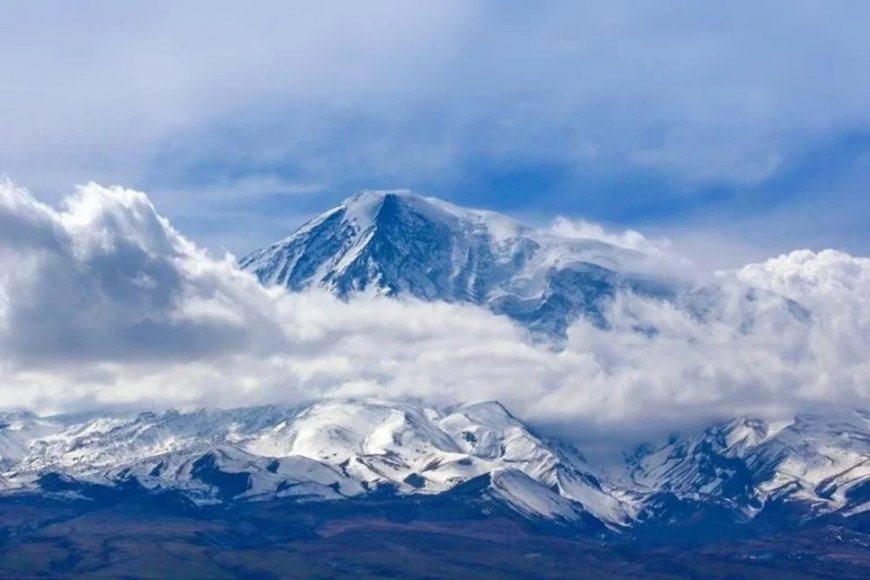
x: 396, y: 243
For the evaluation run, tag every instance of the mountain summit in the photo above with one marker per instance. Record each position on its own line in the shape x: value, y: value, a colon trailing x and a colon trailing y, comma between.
x: 398, y: 243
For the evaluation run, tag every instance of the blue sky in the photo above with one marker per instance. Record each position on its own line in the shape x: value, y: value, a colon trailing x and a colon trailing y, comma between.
x: 738, y: 129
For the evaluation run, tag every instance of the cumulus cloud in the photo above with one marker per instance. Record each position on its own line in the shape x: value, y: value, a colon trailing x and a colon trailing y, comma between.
x: 836, y: 288
x: 103, y: 303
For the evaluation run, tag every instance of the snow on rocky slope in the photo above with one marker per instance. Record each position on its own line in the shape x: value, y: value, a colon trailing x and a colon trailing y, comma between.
x: 815, y: 464
x: 334, y: 450
x: 397, y: 243
x: 325, y: 451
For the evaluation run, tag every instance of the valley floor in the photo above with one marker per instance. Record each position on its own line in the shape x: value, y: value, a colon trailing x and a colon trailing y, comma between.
x: 271, y: 542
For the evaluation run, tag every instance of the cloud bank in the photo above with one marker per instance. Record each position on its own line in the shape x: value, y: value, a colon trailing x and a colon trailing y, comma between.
x: 103, y: 303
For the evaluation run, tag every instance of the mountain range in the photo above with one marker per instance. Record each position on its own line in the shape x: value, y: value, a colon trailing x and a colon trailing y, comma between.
x: 400, y: 244
x: 385, y: 460
x: 732, y: 474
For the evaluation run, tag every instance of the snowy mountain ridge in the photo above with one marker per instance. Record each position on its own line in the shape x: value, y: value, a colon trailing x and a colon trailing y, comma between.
x: 325, y: 451
x: 340, y: 450
x: 818, y: 462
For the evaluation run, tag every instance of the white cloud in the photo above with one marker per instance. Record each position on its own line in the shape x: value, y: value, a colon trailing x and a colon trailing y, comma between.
x: 649, y: 256
x: 630, y: 239
x: 103, y: 303
x: 836, y: 288
x: 815, y: 278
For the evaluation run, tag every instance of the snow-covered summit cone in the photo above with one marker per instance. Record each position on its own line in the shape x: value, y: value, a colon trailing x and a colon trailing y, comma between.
x: 815, y: 464
x: 398, y: 243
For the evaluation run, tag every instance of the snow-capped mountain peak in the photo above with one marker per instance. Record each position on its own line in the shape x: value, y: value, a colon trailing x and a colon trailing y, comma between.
x: 398, y: 243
